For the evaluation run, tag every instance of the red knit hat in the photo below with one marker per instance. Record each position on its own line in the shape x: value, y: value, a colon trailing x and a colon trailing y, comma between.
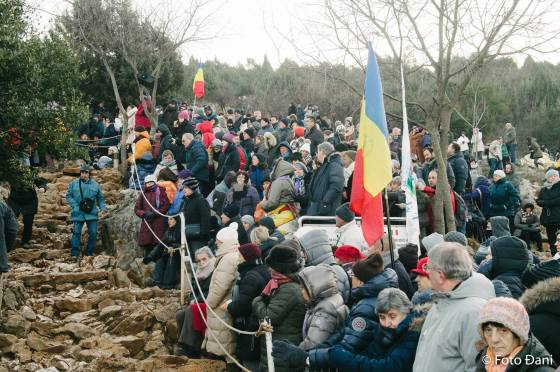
x: 348, y: 253
x: 299, y: 131
x: 421, y: 267
x: 250, y: 251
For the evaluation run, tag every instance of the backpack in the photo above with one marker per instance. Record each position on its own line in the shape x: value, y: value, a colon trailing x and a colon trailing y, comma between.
x: 461, y: 210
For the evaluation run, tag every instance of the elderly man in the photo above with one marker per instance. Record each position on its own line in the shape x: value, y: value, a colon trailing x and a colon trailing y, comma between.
x: 196, y: 158
x: 327, y: 184
x: 510, y: 139
x: 348, y: 232
x: 314, y: 134
x: 449, y: 334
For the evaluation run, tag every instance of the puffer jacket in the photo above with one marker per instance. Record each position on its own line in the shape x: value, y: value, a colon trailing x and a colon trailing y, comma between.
x: 542, y: 302
x: 480, y: 194
x: 523, y: 221
x: 359, y: 326
x: 326, y: 187
x: 196, y: 158
x: 246, y: 200
x: 504, y: 199
x: 316, y: 137
x: 389, y: 350
x: 326, y: 310
x: 144, y: 167
x: 281, y: 190
x: 549, y: 200
x: 90, y: 189
x: 142, y: 146
x: 460, y: 171
x: 221, y: 285
x: 229, y: 161
x: 207, y: 133
x: 317, y: 250
x: 166, y: 142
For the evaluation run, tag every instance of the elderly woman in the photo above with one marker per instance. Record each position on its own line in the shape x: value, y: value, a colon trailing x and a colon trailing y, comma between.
x: 549, y: 200
x: 509, y: 345
x: 189, y: 322
x: 392, y: 347
x: 504, y: 198
x: 243, y: 194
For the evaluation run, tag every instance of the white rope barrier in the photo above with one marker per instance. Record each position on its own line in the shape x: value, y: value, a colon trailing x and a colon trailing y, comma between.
x: 91, y: 140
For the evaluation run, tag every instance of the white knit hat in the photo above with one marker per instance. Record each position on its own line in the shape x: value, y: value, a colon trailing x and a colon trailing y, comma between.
x: 305, y: 147
x: 150, y: 178
x: 228, y: 235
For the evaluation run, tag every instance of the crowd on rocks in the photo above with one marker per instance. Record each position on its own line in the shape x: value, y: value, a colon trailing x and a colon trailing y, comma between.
x: 240, y: 181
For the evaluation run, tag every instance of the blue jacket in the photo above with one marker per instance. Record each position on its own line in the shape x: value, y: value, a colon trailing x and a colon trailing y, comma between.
x: 196, y: 158
x: 145, y: 166
x: 90, y: 189
x: 481, y: 192
x: 177, y: 202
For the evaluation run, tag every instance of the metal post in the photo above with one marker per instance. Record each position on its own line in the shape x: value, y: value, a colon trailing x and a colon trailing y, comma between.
x: 389, y: 228
x: 182, y: 252
x: 268, y: 338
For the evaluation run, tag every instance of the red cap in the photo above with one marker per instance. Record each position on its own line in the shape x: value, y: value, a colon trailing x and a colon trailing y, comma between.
x: 348, y: 253
x: 421, y: 267
x: 299, y: 131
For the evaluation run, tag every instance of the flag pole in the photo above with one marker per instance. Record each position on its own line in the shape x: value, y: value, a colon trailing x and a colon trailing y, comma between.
x: 389, y: 228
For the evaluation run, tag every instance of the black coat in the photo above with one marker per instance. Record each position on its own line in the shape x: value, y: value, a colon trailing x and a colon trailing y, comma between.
x: 242, y: 237
x: 253, y: 278
x: 196, y: 158
x: 228, y: 161
x: 432, y: 165
x: 166, y: 142
x: 24, y: 199
x: 549, y: 200
x: 8, y: 230
x: 460, y: 170
x: 327, y: 185
x: 405, y: 284
x: 396, y: 197
x: 197, y: 211
x: 510, y: 258
x: 316, y: 137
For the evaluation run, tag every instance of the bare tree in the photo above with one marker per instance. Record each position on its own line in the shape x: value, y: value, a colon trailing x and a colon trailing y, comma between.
x: 434, y: 34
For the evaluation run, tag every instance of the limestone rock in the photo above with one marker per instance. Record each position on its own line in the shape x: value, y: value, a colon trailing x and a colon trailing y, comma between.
x: 132, y: 343
x: 38, y: 343
x: 78, y: 331
x: 120, y: 278
x: 6, y: 341
x: 16, y: 325
x: 73, y: 305
x: 110, y: 311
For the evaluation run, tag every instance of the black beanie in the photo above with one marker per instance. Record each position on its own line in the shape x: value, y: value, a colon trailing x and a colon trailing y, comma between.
x: 231, y: 210
x: 368, y: 268
x: 283, y: 259
x: 408, y: 255
x: 344, y: 213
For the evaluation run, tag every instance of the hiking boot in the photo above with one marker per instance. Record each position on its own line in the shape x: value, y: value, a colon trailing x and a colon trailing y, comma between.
x: 185, y: 350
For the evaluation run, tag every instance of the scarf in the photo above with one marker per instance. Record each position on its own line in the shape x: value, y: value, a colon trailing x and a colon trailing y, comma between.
x: 493, y: 365
x: 168, y: 163
x: 203, y: 272
x: 276, y: 280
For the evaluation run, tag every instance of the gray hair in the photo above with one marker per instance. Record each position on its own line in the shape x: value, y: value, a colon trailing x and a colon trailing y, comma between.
x: 188, y: 136
x: 397, y: 180
x: 259, y: 235
x: 451, y: 259
x: 392, y: 298
x: 326, y: 147
x: 204, y: 250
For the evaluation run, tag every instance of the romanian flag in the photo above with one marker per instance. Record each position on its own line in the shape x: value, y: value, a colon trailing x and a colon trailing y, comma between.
x: 372, y: 169
x: 198, y: 84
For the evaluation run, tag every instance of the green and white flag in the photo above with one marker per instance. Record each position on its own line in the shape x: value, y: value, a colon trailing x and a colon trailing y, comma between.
x: 409, y: 178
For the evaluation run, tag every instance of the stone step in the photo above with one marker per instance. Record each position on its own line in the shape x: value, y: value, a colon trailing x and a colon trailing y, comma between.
x: 37, y: 280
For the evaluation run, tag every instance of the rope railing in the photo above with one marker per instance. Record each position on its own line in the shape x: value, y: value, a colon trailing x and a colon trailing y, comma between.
x: 92, y: 140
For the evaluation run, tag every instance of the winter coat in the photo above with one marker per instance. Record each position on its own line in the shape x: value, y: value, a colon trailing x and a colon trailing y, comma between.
x: 91, y: 190
x: 316, y: 247
x: 477, y: 143
x: 144, y: 167
x: 360, y: 323
x: 326, y: 310
x: 522, y: 221
x: 480, y: 193
x: 283, y: 135
x: 259, y: 173
x: 246, y: 200
x: 495, y: 150
x: 253, y: 278
x: 23, y: 199
x: 158, y: 199
x: 541, y: 271
x: 171, y: 166
x: 221, y: 285
x: 142, y: 146
x: 533, y: 348
x: 316, y: 137
x: 286, y: 310
x: 196, y: 158
x: 504, y: 199
x: 242, y: 236
x: 416, y: 148
x: 405, y: 284
x: 140, y: 117
x: 388, y: 350
x: 510, y: 258
x: 396, y: 197
x: 549, y: 200
x: 351, y: 234
x: 535, y: 149
x: 510, y: 136
x: 432, y: 165
x: 207, y: 133
x: 327, y: 185
x: 166, y: 142
x: 8, y: 231
x: 197, y: 211
x: 228, y: 161
x: 543, y: 305
x: 460, y: 171
x: 450, y: 331
x: 281, y: 189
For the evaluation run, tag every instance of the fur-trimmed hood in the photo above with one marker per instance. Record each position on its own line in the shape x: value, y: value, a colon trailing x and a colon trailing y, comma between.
x: 543, y: 294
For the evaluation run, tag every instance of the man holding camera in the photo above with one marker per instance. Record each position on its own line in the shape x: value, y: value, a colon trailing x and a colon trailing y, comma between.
x: 84, y: 196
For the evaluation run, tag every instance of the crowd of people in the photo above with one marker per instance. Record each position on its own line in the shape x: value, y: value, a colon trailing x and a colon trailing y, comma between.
x: 241, y: 180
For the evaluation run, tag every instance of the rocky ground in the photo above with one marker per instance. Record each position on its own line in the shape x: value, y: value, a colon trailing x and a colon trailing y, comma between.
x: 96, y: 315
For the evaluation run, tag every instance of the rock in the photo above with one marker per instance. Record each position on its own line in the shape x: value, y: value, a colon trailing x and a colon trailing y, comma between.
x: 36, y: 280
x: 73, y: 305
x: 62, y: 365
x: 64, y: 287
x: 7, y: 340
x: 25, y: 255
x: 140, y: 320
x: 15, y: 295
x: 38, y: 343
x: 132, y: 343
x: 105, y: 303
x: 102, y: 261
x: 141, y: 274
x: 78, y: 331
x: 81, y: 317
x: 110, y: 311
x: 89, y: 355
x: 171, y: 330
x: 28, y: 314
x: 98, y: 284
x: 120, y: 278
x: 23, y: 352
x: 16, y: 325
x: 167, y: 312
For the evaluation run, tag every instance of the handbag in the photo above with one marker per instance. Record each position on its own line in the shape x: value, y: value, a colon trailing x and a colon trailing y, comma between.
x: 192, y: 231
x: 86, y: 204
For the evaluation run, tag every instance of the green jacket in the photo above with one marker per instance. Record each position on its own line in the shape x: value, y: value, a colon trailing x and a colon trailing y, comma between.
x: 504, y: 199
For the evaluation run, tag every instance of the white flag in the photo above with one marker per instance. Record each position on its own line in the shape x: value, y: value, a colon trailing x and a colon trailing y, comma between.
x: 409, y: 179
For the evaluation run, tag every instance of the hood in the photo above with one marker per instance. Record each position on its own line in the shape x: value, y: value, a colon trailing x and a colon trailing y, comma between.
x: 164, y: 130
x: 544, y: 293
x: 500, y: 226
x: 286, y: 145
x: 476, y: 286
x: 144, y: 134
x: 501, y: 289
x: 282, y: 168
x: 335, y: 158
x: 481, y: 181
x: 205, y: 127
x: 315, y: 244
x: 268, y: 222
x: 509, y: 254
x: 387, y: 279
x: 320, y: 281
x: 262, y: 158
x: 270, y: 140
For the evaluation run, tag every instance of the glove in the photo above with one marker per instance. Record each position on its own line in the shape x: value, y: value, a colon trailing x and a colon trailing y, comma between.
x: 148, y: 216
x: 287, y: 355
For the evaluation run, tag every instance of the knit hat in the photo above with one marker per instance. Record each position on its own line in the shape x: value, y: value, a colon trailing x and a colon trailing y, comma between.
x: 300, y: 165
x: 551, y: 172
x: 500, y: 173
x: 508, y: 312
x: 139, y: 129
x: 231, y: 210
x: 456, y: 237
x: 216, y: 143
x: 368, y: 268
x: 305, y: 147
x: 191, y: 183
x: 344, y: 213
x: 248, y: 219
x: 299, y: 131
x: 250, y: 132
x: 421, y: 267
x: 538, y: 273
x: 432, y: 240
x: 150, y: 178
x: 408, y: 255
x: 184, y: 174
x: 228, y: 137
x: 85, y: 168
x: 250, y: 251
x: 268, y: 222
x: 348, y: 253
x: 228, y: 235
x: 283, y: 259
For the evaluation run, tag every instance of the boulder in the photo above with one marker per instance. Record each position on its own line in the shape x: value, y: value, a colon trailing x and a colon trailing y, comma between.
x: 132, y: 343
x: 73, y: 305
x: 15, y: 324
x: 38, y: 343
